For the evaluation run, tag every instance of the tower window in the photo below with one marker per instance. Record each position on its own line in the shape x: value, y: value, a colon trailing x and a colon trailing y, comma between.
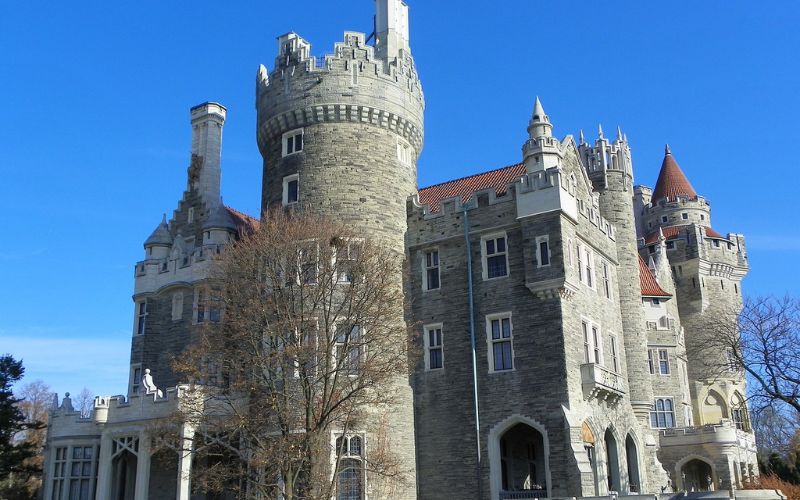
x: 292, y: 142
x: 663, y: 218
x: 495, y: 257
x: 543, y: 250
x: 430, y: 275
x: 291, y: 189
x: 663, y: 414
x: 141, y: 317
x: 350, y: 468
x: 685, y: 216
x: 499, y: 337
x: 670, y: 245
x: 434, y: 355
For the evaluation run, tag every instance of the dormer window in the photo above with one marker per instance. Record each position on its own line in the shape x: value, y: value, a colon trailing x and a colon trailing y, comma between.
x: 292, y: 142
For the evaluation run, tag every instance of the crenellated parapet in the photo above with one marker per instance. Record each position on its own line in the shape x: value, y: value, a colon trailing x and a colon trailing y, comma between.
x: 349, y: 85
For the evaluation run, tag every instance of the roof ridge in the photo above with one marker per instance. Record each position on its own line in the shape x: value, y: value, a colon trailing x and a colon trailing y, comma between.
x: 472, y: 175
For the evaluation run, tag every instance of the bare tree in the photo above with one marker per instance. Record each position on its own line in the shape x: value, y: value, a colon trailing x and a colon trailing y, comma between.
x: 84, y: 402
x: 36, y: 398
x: 299, y: 362
x: 763, y: 341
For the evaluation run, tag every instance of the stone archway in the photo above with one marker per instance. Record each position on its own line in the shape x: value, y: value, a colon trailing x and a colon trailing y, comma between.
x: 519, y: 459
x: 612, y: 461
x: 713, y: 408
x: 632, y: 461
x: 696, y: 473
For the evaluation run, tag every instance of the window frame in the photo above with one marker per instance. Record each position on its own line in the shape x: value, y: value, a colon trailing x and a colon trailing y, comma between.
x: 490, y: 342
x: 177, y: 306
x: 542, y: 240
x: 292, y: 134
x: 340, y: 276
x: 141, y: 317
x: 135, y: 379
x: 655, y: 412
x: 349, y: 348
x: 337, y: 457
x: 494, y: 238
x: 428, y: 348
x: 427, y: 268
x: 287, y: 180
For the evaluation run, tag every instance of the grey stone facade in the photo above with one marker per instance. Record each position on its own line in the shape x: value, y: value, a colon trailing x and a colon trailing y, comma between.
x: 584, y: 298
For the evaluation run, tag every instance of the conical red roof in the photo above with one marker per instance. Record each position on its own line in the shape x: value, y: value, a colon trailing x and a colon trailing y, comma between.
x: 672, y: 182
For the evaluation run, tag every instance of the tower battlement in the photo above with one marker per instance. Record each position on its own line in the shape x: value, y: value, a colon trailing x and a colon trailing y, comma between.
x: 350, y: 85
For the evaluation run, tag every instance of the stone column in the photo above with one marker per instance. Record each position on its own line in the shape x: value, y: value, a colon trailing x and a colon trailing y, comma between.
x: 143, y: 467
x: 105, y: 471
x: 185, y: 462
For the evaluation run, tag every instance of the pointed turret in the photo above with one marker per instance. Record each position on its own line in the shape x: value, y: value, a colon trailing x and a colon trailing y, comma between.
x: 600, y: 131
x: 540, y: 125
x: 161, y: 236
x: 672, y: 182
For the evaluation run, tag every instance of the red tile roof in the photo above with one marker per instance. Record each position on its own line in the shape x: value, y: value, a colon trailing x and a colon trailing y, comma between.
x: 244, y: 222
x: 672, y: 182
x: 648, y: 282
x: 672, y: 232
x: 465, y: 187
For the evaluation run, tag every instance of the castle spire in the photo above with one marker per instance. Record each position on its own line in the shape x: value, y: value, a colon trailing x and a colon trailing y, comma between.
x: 540, y: 125
x: 582, y: 139
x: 619, y: 133
x: 391, y: 28
x: 600, y: 131
x: 672, y: 182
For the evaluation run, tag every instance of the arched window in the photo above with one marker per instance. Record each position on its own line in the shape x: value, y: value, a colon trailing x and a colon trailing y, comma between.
x: 739, y: 413
x: 350, y: 471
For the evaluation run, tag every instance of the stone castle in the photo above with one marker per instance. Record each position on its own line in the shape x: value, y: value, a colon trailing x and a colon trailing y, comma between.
x: 558, y: 302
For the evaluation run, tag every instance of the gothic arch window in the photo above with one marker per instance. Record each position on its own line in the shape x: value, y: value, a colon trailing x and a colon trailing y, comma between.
x: 350, y: 469
x: 741, y: 418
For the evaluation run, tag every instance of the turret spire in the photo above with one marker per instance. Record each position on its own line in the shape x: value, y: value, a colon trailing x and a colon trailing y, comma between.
x: 672, y: 182
x: 540, y: 125
x: 600, y: 130
x: 619, y: 133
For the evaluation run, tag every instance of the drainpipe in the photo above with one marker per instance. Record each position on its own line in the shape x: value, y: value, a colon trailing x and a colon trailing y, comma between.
x: 468, y: 248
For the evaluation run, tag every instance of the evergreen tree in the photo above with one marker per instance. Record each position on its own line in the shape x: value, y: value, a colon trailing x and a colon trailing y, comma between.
x: 13, y: 452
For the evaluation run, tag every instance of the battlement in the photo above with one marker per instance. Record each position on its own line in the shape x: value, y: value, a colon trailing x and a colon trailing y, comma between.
x: 351, y: 84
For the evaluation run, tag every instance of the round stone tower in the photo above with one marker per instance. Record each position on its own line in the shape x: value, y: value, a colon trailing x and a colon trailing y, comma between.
x: 341, y: 135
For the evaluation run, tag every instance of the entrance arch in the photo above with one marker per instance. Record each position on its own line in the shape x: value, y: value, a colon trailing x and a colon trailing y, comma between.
x: 612, y: 461
x: 696, y: 473
x: 519, y: 458
x: 632, y: 461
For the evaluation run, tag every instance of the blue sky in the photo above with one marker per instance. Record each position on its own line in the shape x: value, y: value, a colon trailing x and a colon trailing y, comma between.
x: 95, y: 128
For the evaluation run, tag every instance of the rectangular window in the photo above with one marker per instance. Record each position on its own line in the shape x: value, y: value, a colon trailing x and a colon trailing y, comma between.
x: 404, y: 153
x: 136, y: 378
x: 500, y: 338
x: 614, y: 355
x: 349, y: 346
x: 292, y: 142
x: 663, y: 362
x: 670, y: 245
x: 650, y: 361
x: 663, y: 218
x: 215, y: 305
x: 589, y: 268
x: 177, y: 306
x: 579, y: 252
x: 495, y: 263
x: 347, y: 254
x: 291, y: 189
x: 59, y: 472
x: 543, y: 251
x: 587, y: 342
x: 685, y: 216
x: 81, y: 472
x: 662, y: 416
x: 606, y: 280
x: 190, y: 215
x: 434, y: 356
x: 308, y: 263
x: 431, y: 274
x: 199, y: 306
x: 597, y: 344
x: 141, y: 317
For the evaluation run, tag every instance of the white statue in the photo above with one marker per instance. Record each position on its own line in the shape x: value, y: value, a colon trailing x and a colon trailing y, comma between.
x: 149, y: 385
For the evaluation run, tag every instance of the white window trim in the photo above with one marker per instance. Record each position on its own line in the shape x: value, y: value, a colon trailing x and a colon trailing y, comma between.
x: 285, y: 196
x: 425, y: 328
x: 404, y: 154
x: 362, y: 351
x: 607, y: 288
x: 613, y: 351
x: 177, y: 306
x: 425, y: 269
x: 589, y: 276
x: 597, y: 347
x: 285, y: 142
x: 349, y: 241
x: 363, y: 458
x: 490, y: 343
x: 137, y: 318
x: 539, y: 241
x: 484, y: 257
x: 135, y: 385
x: 654, y: 410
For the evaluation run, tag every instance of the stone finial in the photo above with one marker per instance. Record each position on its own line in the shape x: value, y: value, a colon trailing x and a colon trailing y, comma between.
x: 619, y: 133
x: 600, y: 131
x: 55, y: 401
x: 66, y: 403
x: 582, y: 139
x: 666, y: 150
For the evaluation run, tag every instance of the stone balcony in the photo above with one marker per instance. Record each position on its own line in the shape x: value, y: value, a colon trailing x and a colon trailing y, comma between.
x: 601, y: 383
x: 724, y: 432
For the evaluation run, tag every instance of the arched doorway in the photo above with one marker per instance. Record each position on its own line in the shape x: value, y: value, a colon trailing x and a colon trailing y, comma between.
x: 697, y: 475
x: 612, y: 461
x: 632, y: 460
x: 518, y: 461
x: 589, y: 445
x: 124, y: 470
